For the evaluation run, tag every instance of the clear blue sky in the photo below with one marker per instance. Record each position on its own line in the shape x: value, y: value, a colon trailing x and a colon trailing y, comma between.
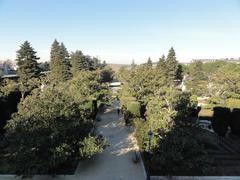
x: 121, y: 30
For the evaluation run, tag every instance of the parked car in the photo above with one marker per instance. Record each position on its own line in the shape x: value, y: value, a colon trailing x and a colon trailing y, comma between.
x: 205, y: 124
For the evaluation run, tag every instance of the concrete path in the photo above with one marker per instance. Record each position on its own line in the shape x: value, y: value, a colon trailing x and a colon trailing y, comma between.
x: 115, y: 163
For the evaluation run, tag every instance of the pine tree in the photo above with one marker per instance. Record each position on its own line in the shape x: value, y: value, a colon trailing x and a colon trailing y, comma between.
x: 197, y: 80
x: 96, y: 63
x: 86, y: 63
x: 64, y: 50
x: 76, y: 61
x: 133, y: 65
x: 179, y: 73
x: 27, y: 66
x: 149, y: 62
x: 60, y: 69
x: 171, y: 65
x: 67, y: 64
x: 27, y: 62
x: 104, y: 64
x: 161, y: 65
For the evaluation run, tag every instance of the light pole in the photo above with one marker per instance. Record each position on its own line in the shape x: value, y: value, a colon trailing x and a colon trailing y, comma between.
x: 150, y: 134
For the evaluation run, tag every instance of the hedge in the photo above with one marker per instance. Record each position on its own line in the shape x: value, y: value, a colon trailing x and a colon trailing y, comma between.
x: 235, y: 122
x: 134, y: 108
x: 220, y: 120
x: 232, y: 103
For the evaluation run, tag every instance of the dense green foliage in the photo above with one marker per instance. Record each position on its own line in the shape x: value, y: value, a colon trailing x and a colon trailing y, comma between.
x: 220, y: 81
x: 107, y: 75
x: 28, y: 70
x: 9, y: 98
x: 53, y: 124
x: 44, y: 66
x: 216, y: 79
x: 170, y: 114
x: 49, y: 129
x: 220, y: 120
x: 59, y: 62
x: 80, y: 62
x: 234, y: 122
x: 182, y: 152
x: 197, y: 82
x: 172, y: 65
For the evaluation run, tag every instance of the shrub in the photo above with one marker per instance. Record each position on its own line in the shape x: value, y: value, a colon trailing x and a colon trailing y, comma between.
x: 208, y: 106
x: 49, y: 128
x: 220, y: 120
x: 232, y: 103
x: 141, y: 130
x: 89, y: 146
x: 181, y: 152
x: 193, y: 99
x: 134, y: 108
x: 235, y: 122
x: 143, y: 111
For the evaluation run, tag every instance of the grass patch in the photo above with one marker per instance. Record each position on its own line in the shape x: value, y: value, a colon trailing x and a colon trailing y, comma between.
x: 206, y: 114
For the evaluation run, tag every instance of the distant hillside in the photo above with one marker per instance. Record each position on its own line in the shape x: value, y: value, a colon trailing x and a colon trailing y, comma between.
x: 116, y: 67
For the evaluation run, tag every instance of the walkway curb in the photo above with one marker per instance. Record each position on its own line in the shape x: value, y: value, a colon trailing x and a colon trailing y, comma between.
x: 142, y: 165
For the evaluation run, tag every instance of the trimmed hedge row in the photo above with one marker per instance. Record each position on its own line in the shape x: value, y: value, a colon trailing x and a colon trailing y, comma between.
x: 223, y: 117
x: 130, y: 111
x: 235, y: 122
x: 220, y: 120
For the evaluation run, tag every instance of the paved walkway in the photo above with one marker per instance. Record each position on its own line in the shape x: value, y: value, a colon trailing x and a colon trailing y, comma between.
x: 115, y: 163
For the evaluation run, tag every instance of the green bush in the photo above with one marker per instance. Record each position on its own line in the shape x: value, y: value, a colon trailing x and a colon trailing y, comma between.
x: 216, y: 100
x: 49, y: 128
x: 130, y: 111
x: 220, y: 120
x: 141, y: 130
x: 181, y: 152
x: 208, y: 106
x: 235, y: 122
x: 232, y: 103
x: 193, y: 99
x: 134, y: 108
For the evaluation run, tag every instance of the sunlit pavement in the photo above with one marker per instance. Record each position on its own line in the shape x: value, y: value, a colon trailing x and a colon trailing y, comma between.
x: 115, y: 163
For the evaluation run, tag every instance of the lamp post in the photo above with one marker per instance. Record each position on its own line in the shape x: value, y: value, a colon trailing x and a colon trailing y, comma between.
x: 150, y: 134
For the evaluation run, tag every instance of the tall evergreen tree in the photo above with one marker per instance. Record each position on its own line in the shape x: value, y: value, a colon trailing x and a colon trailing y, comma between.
x: 87, y: 63
x: 104, y: 64
x: 162, y: 63
x: 27, y: 66
x: 197, y: 80
x: 66, y: 59
x: 133, y: 65
x: 65, y: 52
x: 179, y: 73
x: 27, y: 62
x: 171, y: 65
x: 76, y: 61
x: 149, y: 62
x: 60, y: 69
x: 96, y: 63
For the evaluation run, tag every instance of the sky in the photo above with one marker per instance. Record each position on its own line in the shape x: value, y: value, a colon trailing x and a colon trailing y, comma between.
x: 119, y: 31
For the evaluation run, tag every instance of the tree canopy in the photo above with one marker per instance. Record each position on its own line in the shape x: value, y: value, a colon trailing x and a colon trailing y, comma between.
x: 59, y: 63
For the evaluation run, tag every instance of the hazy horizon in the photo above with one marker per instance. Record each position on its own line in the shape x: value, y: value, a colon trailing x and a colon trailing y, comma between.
x: 119, y: 32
